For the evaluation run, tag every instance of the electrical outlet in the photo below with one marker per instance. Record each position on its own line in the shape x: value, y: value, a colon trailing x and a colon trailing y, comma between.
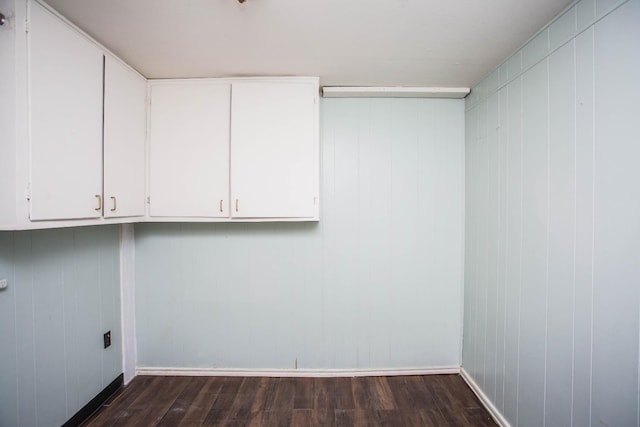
x: 107, y: 339
x: 3, y: 284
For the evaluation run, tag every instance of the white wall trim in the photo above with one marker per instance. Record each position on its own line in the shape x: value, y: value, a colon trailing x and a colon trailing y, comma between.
x: 495, y: 413
x: 127, y: 301
x: 318, y: 373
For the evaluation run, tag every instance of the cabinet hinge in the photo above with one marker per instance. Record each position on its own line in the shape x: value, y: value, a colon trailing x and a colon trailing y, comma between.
x: 26, y: 26
x: 148, y: 200
x: 27, y: 191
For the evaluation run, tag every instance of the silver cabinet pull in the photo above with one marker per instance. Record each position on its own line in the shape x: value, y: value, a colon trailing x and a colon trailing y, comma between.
x: 236, y: 205
x: 115, y: 206
x: 220, y: 205
x: 99, y: 208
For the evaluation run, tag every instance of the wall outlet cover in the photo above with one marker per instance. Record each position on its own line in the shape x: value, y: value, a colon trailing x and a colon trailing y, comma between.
x: 3, y: 283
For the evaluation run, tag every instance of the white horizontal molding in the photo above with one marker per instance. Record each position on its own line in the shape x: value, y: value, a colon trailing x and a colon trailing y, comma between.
x: 495, y: 413
x: 317, y: 373
x: 394, y: 92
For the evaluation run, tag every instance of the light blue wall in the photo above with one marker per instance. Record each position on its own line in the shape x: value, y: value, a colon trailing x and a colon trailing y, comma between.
x: 63, y: 294
x: 377, y: 283
x: 552, y: 271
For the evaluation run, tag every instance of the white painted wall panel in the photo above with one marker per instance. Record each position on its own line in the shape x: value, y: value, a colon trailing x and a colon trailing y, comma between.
x: 534, y: 245
x: 8, y: 375
x: 62, y: 295
x: 375, y: 284
x: 501, y: 309
x: 572, y: 257
x: 617, y: 217
x: 514, y: 248
x: 583, y: 294
x: 561, y: 236
x: 492, y: 200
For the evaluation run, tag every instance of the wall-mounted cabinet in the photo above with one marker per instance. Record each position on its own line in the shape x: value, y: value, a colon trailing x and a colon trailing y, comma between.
x: 125, y: 115
x: 78, y: 150
x: 234, y: 149
x: 274, y: 149
x: 65, y: 88
x: 189, y: 150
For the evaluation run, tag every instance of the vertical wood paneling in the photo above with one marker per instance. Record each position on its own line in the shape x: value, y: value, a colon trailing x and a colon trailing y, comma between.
x: 8, y: 335
x: 583, y: 294
x: 481, y: 244
x: 503, y: 211
x: 375, y: 284
x: 468, y: 350
x: 49, y: 329
x: 617, y: 217
x: 24, y: 323
x: 492, y: 203
x: 559, y: 355
x: 63, y: 293
x: 535, y: 145
x: 514, y: 248
x: 572, y: 257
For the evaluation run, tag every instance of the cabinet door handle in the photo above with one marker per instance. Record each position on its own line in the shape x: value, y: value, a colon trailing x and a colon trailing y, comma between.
x: 115, y: 206
x: 220, y: 205
x: 236, y: 205
x: 99, y: 208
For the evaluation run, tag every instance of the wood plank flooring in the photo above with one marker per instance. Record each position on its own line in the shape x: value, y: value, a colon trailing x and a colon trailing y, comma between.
x: 433, y: 400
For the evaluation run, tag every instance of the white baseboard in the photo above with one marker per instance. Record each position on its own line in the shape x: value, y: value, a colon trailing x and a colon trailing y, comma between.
x: 222, y: 372
x: 495, y: 413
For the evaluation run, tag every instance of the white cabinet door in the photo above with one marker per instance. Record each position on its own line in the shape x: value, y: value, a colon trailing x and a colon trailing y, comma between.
x: 65, y: 84
x: 189, y: 150
x: 273, y: 149
x: 125, y: 118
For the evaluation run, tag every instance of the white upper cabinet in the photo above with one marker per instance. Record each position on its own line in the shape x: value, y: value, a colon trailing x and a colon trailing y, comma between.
x: 65, y: 87
x: 189, y: 149
x: 125, y: 118
x: 242, y: 149
x: 274, y: 149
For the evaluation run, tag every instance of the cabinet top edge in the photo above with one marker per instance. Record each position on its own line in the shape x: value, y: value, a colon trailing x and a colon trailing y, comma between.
x: 229, y: 80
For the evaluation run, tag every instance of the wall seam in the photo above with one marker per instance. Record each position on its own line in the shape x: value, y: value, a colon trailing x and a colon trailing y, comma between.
x: 15, y: 323
x: 520, y: 252
x: 546, y: 296
x: 506, y: 252
x: 593, y: 214
x: 575, y: 227
x: 33, y: 333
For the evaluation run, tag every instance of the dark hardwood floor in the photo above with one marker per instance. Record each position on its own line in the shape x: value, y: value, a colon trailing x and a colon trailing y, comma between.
x: 433, y: 400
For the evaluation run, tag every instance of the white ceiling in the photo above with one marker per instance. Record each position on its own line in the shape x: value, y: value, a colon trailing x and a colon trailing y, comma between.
x: 345, y: 42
